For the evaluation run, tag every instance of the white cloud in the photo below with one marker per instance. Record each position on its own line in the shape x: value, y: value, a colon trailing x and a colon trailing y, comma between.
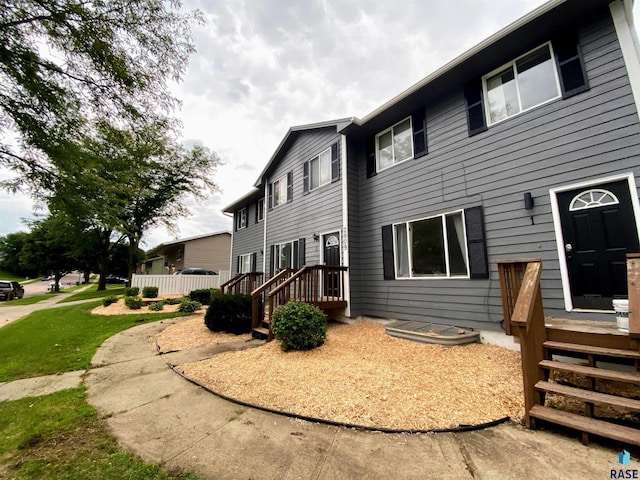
x: 263, y: 66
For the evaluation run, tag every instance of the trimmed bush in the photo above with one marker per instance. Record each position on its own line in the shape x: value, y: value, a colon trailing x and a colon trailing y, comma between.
x: 173, y: 301
x: 189, y: 306
x: 229, y: 313
x: 156, y: 307
x: 149, y: 292
x: 204, y: 295
x: 109, y: 300
x: 133, y: 303
x: 299, y: 326
x: 131, y: 291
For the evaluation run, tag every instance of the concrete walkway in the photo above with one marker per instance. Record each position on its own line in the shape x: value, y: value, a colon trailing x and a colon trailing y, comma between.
x: 163, y: 418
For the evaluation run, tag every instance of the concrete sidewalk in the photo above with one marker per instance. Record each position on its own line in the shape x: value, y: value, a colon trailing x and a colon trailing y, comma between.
x: 165, y: 419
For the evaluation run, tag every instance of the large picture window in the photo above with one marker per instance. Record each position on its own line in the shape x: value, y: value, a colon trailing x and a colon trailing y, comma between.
x: 431, y: 247
x: 394, y: 145
x: 524, y: 83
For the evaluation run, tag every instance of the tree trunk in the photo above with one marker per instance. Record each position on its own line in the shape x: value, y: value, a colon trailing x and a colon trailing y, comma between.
x: 105, y: 244
x: 134, y: 242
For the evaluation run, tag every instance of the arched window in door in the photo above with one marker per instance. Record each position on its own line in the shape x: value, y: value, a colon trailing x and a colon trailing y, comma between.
x: 596, y: 197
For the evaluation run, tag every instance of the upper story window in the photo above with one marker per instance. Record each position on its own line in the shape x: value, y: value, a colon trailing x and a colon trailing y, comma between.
x: 281, y: 190
x: 179, y: 255
x: 394, y: 145
x: 241, y: 219
x: 260, y: 210
x: 320, y: 169
x: 524, y: 83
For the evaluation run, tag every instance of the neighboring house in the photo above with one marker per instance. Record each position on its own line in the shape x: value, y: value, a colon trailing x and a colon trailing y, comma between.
x: 210, y: 251
x: 527, y: 145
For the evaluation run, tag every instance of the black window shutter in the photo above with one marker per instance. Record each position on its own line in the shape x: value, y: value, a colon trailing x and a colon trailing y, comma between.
x: 238, y: 266
x: 387, y: 253
x: 272, y: 260
x: 419, y: 123
x: 289, y: 187
x: 371, y: 156
x: 235, y: 221
x: 476, y: 120
x: 305, y: 178
x: 476, y: 243
x: 270, y: 196
x: 573, y: 74
x: 301, y: 260
x: 254, y: 262
x: 295, y: 256
x: 335, y: 163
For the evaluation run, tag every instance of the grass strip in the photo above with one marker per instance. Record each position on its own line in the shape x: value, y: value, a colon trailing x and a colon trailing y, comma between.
x: 61, y: 339
x: 92, y: 292
x: 60, y: 436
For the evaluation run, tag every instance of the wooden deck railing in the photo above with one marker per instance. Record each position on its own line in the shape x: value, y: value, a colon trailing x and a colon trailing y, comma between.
x: 633, y: 283
x: 242, y: 283
x: 260, y: 295
x: 524, y: 319
x: 320, y: 285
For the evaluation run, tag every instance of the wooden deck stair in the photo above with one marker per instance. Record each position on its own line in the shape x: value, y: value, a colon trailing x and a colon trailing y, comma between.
x: 549, y: 355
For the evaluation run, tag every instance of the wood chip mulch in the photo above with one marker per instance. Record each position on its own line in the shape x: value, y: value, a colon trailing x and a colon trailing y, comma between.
x: 364, y: 377
x: 193, y: 333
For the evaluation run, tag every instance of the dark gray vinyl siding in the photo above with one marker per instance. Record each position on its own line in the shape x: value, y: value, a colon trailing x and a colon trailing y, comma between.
x: 248, y: 240
x: 586, y: 137
x: 319, y: 211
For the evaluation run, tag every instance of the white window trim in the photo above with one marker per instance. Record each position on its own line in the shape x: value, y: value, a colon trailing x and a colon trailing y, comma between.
x: 317, y: 157
x: 512, y: 64
x: 448, y: 276
x: 241, y: 219
x: 242, y: 260
x: 390, y: 129
x: 555, y: 211
x: 283, y: 178
x: 276, y: 261
x: 260, y: 210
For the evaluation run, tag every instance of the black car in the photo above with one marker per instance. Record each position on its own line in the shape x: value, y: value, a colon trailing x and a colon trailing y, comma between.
x: 10, y: 290
x: 196, y: 271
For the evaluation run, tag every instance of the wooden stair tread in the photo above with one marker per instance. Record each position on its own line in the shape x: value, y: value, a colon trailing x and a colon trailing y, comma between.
x: 586, y: 424
x: 589, y: 395
x: 588, y: 349
x: 262, y: 330
x: 603, y: 373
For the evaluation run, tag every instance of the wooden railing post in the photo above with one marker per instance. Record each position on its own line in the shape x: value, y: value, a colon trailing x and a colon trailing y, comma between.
x: 633, y: 283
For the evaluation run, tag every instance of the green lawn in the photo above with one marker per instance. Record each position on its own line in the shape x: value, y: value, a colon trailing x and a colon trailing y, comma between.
x: 92, y: 292
x: 60, y: 339
x: 60, y: 436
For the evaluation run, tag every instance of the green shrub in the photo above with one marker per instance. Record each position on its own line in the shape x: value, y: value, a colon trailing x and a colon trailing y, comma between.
x: 131, y: 291
x: 134, y: 303
x: 204, y: 295
x: 156, y: 307
x: 149, y: 292
x: 109, y: 300
x: 173, y: 301
x: 299, y: 326
x: 189, y: 306
x: 229, y: 313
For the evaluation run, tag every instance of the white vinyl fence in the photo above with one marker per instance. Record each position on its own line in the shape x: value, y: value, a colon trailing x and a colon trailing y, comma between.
x: 179, y: 284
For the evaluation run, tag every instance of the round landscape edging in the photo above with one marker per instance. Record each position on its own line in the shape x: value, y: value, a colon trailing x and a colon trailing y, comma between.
x: 459, y: 428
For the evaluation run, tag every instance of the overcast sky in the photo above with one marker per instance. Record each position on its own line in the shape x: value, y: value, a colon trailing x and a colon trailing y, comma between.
x: 264, y: 65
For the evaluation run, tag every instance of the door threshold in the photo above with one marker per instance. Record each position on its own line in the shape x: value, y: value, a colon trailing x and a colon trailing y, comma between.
x: 591, y: 310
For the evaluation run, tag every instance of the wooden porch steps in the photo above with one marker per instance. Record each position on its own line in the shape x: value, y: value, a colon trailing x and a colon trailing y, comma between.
x: 592, y: 350
x: 592, y: 372
x: 589, y: 396
x: 581, y: 423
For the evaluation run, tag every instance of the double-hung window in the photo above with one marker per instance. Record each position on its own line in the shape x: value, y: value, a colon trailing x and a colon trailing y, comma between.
x: 260, y: 210
x: 320, y: 170
x: 431, y: 247
x: 241, y: 219
x: 394, y: 145
x: 280, y: 191
x: 283, y: 255
x: 522, y: 84
x: 245, y: 262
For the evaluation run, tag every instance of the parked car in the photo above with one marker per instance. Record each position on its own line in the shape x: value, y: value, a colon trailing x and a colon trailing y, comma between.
x: 116, y: 279
x: 196, y: 271
x: 10, y: 290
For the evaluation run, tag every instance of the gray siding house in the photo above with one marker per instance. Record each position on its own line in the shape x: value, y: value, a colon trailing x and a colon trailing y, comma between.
x: 248, y: 232
x: 525, y: 146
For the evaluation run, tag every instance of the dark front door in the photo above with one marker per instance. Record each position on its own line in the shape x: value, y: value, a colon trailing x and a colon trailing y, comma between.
x: 332, y: 257
x: 599, y: 228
